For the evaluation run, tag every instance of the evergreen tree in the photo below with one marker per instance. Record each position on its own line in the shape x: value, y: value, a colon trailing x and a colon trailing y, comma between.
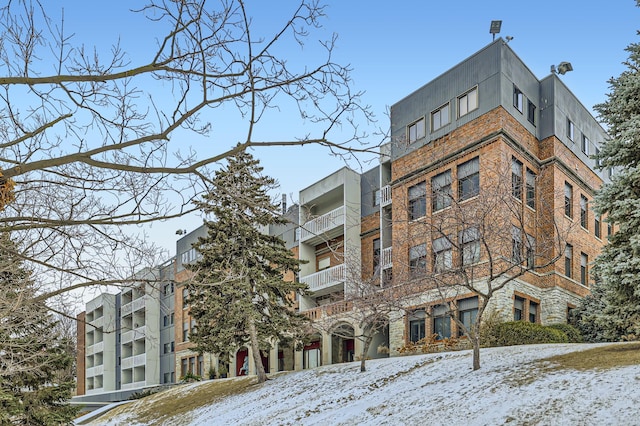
x: 238, y: 295
x: 618, y: 266
x: 35, y: 379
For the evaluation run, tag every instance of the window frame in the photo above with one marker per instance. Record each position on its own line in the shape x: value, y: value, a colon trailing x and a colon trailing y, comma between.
x: 471, y: 312
x: 419, y: 124
x: 531, y: 112
x: 584, y: 212
x: 517, y: 170
x: 417, y: 319
x: 469, y: 246
x: 568, y: 200
x: 417, y: 200
x: 442, y: 254
x: 417, y: 260
x: 466, y: 98
x: 530, y: 188
x: 441, y: 321
x: 441, y: 195
x: 584, y: 145
x: 571, y: 130
x: 516, y: 245
x: 597, y: 226
x: 518, y: 308
x: 473, y: 177
x: 568, y: 261
x: 584, y: 269
x: 518, y: 99
x: 438, y: 112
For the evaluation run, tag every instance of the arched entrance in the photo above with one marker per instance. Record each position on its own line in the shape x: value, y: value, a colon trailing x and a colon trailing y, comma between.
x: 342, y: 344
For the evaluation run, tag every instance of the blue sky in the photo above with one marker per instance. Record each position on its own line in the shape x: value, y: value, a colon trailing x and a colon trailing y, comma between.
x: 394, y: 48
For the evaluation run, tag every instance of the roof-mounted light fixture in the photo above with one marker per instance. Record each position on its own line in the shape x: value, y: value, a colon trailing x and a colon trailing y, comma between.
x: 495, y: 28
x: 562, y: 68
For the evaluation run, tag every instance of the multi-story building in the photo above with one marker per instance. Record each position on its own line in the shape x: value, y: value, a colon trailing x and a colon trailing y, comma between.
x: 125, y: 340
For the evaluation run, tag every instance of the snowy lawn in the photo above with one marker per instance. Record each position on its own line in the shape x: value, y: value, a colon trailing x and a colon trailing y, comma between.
x: 513, y: 386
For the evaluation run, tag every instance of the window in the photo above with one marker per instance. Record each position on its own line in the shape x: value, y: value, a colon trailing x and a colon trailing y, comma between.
x: 442, y: 255
x: 531, y: 112
x: 185, y: 298
x: 185, y: 332
x: 166, y: 320
x: 568, y: 258
x: 467, y: 312
x: 324, y: 263
x: 584, y: 271
x: 518, y: 98
x: 417, y: 201
x: 193, y: 326
x: 585, y: 144
x: 470, y: 242
x: 570, y: 129
x: 583, y: 211
x: 189, y: 256
x: 440, y: 117
x: 469, y: 179
x: 609, y: 229
x: 415, y: 131
x: 173, y: 346
x: 417, y: 260
x: 468, y: 102
x: 516, y: 178
x: 376, y: 197
x: 597, y: 227
x: 167, y: 348
x: 568, y: 200
x: 183, y: 366
x: 441, y: 321
x: 417, y: 325
x: 533, y: 312
x: 516, y: 244
x: 531, y: 189
x: 530, y: 252
x: 376, y: 255
x: 168, y: 289
x: 518, y: 308
x: 441, y: 191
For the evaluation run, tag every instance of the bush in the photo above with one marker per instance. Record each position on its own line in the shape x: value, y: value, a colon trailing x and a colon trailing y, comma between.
x: 521, y: 333
x: 573, y: 334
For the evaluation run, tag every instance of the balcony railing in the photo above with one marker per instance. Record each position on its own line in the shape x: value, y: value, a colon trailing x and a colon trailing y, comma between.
x: 322, y: 224
x: 385, y: 195
x: 328, y: 310
x: 387, y: 258
x: 325, y: 278
x: 133, y: 306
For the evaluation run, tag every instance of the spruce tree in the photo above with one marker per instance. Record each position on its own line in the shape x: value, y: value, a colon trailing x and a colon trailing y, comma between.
x: 618, y: 267
x: 238, y: 295
x: 35, y: 361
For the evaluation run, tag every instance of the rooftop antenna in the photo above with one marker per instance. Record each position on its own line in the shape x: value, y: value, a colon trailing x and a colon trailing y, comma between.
x: 495, y: 28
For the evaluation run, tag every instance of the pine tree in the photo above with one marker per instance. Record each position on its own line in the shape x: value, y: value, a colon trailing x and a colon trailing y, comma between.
x: 35, y: 379
x: 618, y: 266
x: 238, y: 296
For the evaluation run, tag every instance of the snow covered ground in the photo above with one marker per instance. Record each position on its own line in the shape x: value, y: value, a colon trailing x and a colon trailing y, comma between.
x: 436, y: 389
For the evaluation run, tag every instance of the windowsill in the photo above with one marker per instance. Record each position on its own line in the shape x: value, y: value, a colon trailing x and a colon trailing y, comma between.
x: 440, y: 210
x: 469, y: 199
x: 533, y: 209
x: 584, y: 229
x: 568, y: 217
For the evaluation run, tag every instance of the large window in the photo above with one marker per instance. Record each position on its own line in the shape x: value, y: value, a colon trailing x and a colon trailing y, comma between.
x: 518, y: 98
x: 597, y: 227
x: 417, y: 325
x: 518, y: 308
x: 516, y: 244
x: 568, y: 199
x: 417, y: 260
x: 441, y: 321
x: 470, y: 242
x: 467, y: 312
x: 441, y: 191
x: 568, y: 260
x: 440, y: 117
x: 415, y: 131
x: 531, y: 112
x: 516, y: 178
x: 585, y: 144
x: 185, y: 332
x: 570, y: 130
x: 469, y: 179
x: 584, y: 271
x: 442, y: 254
x: 468, y: 102
x: 583, y: 212
x: 533, y: 312
x: 417, y: 201
x: 531, y: 189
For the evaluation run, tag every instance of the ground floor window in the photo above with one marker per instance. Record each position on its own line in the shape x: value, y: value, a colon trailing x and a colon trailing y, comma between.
x: 526, y: 308
x: 441, y: 321
x: 417, y: 325
x: 467, y: 312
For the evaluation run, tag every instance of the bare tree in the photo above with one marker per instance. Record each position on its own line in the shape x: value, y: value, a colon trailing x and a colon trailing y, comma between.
x: 94, y: 144
x: 481, y: 237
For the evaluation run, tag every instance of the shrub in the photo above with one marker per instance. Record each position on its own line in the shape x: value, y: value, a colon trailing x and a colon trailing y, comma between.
x: 521, y: 333
x: 190, y: 377
x: 573, y: 334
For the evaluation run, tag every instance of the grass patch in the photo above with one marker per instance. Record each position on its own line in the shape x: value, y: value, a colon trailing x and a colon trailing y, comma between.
x: 604, y: 357
x: 155, y: 409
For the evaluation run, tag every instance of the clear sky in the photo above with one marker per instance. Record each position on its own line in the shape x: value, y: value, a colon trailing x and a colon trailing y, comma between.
x: 394, y: 48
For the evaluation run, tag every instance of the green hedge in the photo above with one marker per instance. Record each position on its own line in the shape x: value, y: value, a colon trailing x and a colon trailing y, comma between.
x: 573, y: 334
x: 522, y: 333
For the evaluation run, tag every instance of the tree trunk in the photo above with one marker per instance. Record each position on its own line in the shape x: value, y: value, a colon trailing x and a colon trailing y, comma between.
x: 255, y: 349
x: 365, y: 348
x: 476, y: 351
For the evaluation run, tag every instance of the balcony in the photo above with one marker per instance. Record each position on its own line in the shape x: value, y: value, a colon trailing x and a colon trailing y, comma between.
x: 385, y: 195
x: 133, y: 306
x: 134, y: 385
x: 323, y: 281
x: 315, y: 230
x: 95, y: 371
x: 387, y: 259
x: 328, y: 310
